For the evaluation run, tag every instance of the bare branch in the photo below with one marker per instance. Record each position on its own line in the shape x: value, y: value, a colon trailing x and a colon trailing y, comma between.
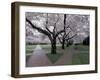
x: 67, y: 27
x: 70, y: 28
x: 54, y: 29
x: 60, y: 40
x: 46, y: 26
x: 64, y: 21
x: 48, y: 30
x: 58, y: 36
x: 56, y: 20
x: 67, y: 34
x: 46, y: 21
x: 71, y: 37
x: 59, y: 32
x: 39, y: 29
x: 61, y: 35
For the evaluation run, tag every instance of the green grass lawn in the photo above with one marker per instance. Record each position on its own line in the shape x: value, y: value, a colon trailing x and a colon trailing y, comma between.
x: 81, y: 55
x: 30, y: 49
x: 81, y: 47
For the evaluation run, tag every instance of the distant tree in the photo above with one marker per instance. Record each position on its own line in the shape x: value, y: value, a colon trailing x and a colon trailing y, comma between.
x: 69, y: 42
x: 86, y: 41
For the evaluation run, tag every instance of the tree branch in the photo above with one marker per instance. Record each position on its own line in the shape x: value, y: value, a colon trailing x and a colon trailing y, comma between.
x: 59, y: 33
x: 71, y: 37
x: 48, y: 30
x: 70, y: 28
x: 46, y: 25
x: 64, y: 21
x: 62, y: 35
x: 67, y: 27
x: 56, y: 20
x: 67, y: 34
x: 60, y: 40
x: 39, y: 29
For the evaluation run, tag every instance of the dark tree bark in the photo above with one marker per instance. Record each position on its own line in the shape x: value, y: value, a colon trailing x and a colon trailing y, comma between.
x: 51, y: 35
x: 53, y: 47
x: 63, y: 44
x: 64, y: 38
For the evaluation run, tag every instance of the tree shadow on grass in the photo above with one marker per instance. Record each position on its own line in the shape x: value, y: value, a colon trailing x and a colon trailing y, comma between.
x: 53, y: 57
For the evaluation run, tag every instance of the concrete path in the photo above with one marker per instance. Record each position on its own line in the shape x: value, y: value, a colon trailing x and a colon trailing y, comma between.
x: 66, y: 58
x: 38, y: 58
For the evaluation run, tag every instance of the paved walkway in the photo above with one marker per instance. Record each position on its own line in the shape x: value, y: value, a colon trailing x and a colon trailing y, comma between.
x: 38, y: 58
x: 66, y: 58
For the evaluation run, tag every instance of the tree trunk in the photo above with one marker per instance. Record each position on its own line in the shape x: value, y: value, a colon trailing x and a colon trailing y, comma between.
x: 53, y: 46
x: 67, y: 44
x: 63, y: 44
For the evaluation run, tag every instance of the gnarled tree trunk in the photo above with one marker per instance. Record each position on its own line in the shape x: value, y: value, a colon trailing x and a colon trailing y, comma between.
x: 53, y: 46
x: 63, y: 44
